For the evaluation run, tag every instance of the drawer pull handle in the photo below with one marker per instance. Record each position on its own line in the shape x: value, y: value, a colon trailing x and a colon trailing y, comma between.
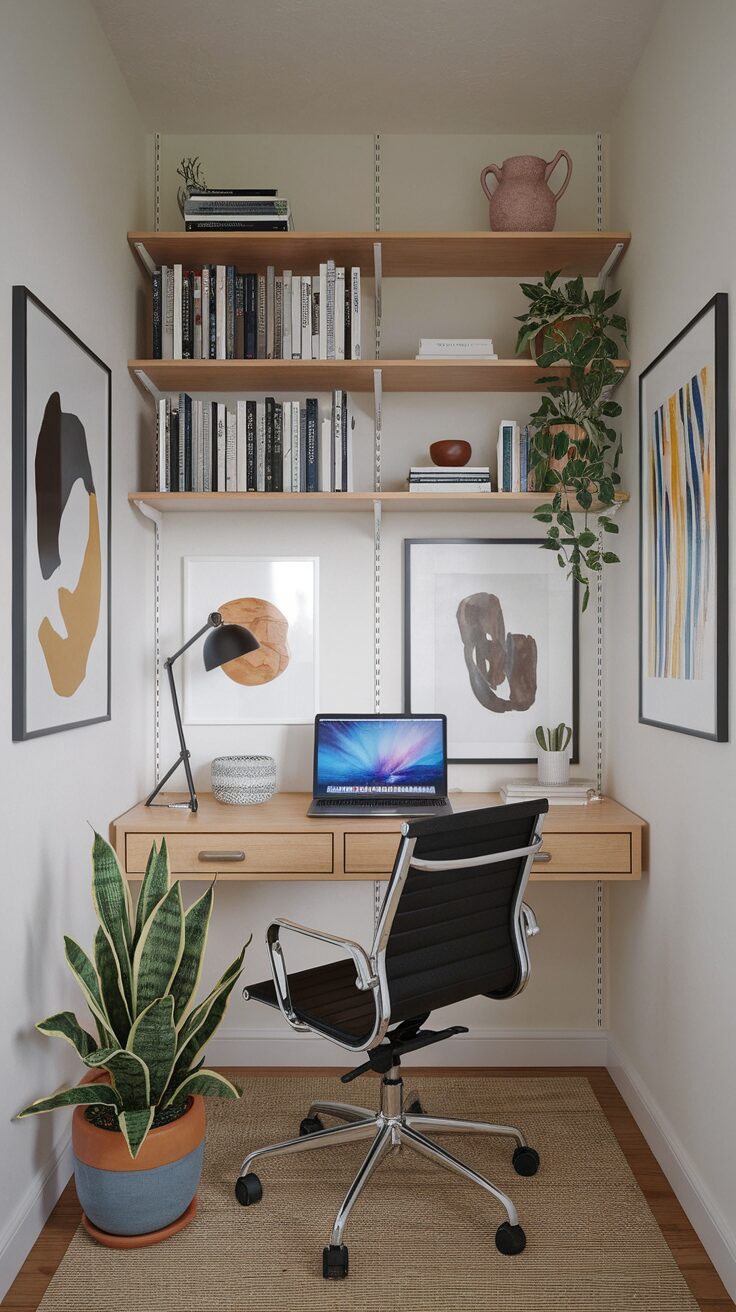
x: 542, y: 856
x: 222, y: 856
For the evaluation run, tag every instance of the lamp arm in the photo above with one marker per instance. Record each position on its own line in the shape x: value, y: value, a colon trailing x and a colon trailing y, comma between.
x: 213, y: 622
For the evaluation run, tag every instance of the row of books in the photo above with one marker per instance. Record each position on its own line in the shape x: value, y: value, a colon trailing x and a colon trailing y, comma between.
x: 513, y: 472
x: 446, y: 478
x: 257, y: 446
x: 457, y: 348
x: 216, y: 313
x: 243, y: 209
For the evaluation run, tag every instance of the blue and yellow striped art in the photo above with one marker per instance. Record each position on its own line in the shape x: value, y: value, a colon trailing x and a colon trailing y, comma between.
x: 681, y: 512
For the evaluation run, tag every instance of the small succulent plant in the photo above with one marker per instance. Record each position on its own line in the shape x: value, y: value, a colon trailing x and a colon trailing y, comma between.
x: 553, y: 740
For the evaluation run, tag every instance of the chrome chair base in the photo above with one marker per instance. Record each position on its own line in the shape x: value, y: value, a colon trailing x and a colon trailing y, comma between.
x: 392, y: 1128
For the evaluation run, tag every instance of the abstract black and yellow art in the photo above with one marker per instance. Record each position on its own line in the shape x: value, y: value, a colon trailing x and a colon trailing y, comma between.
x: 61, y: 525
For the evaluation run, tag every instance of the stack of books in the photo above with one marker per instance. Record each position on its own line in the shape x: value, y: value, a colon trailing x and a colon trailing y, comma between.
x: 216, y: 313
x: 574, y: 793
x: 449, y: 478
x: 256, y: 446
x: 236, y: 209
x: 513, y: 471
x: 459, y: 348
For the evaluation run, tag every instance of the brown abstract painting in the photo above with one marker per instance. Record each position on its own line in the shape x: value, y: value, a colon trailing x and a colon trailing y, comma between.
x: 271, y: 628
x: 494, y: 657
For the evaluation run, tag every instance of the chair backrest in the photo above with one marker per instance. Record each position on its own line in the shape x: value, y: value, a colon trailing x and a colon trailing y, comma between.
x: 450, y: 926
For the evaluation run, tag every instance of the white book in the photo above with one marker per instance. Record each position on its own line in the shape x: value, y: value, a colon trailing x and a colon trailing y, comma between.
x: 270, y: 297
x: 325, y: 457
x: 205, y: 312
x: 456, y: 345
x: 197, y: 299
x: 322, y: 312
x: 306, y: 317
x: 315, y: 317
x: 278, y: 317
x: 181, y: 484
x: 231, y: 469
x: 295, y: 447
x: 167, y: 311
x: 355, y: 309
x: 177, y: 345
x: 240, y: 445
x: 449, y: 487
x: 286, y: 446
x: 447, y: 355
x: 339, y: 314
x: 207, y: 447
x: 516, y: 459
x: 330, y: 309
x: 296, y: 318
x: 196, y: 444
x: 221, y: 446
x: 451, y: 471
x: 221, y: 314
x: 337, y: 441
x: 161, y: 445
x: 348, y: 479
x: 286, y: 317
x: 261, y: 446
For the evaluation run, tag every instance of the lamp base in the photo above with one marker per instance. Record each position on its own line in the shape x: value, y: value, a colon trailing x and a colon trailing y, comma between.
x: 192, y: 804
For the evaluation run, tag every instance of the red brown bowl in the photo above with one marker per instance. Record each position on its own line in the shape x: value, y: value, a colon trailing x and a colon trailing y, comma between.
x: 451, y: 451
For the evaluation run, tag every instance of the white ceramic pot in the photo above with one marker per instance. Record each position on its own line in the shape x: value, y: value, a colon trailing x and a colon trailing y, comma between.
x: 243, y: 780
x: 553, y: 767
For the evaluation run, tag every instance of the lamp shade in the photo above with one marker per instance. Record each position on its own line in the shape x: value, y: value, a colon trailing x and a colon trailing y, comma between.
x: 227, y: 642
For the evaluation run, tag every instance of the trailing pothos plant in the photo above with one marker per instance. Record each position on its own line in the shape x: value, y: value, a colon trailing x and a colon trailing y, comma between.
x: 553, y: 306
x: 140, y: 988
x: 575, y: 450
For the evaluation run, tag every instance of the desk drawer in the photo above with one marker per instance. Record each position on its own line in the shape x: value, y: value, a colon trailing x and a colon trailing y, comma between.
x: 265, y: 854
x: 570, y: 854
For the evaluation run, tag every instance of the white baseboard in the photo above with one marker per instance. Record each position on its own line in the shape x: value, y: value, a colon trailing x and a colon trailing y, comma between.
x: 687, y: 1184
x: 481, y: 1047
x: 24, y: 1226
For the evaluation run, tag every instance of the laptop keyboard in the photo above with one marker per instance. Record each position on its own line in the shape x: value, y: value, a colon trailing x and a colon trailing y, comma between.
x: 368, y: 802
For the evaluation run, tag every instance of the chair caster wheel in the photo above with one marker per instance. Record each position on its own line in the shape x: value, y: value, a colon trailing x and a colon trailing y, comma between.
x: 311, y: 1125
x: 510, y: 1239
x: 415, y: 1108
x: 248, y: 1189
x: 335, y: 1262
x: 525, y: 1160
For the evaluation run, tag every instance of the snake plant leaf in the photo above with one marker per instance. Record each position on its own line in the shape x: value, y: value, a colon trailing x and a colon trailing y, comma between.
x: 66, y: 1025
x: 81, y: 1094
x: 159, y: 950
x: 204, y: 1020
x: 135, y: 1125
x: 153, y: 1040
x: 111, y: 898
x: 208, y: 1083
x: 116, y: 1008
x: 129, y: 1075
x: 86, y: 977
x: 196, y: 925
x: 154, y: 887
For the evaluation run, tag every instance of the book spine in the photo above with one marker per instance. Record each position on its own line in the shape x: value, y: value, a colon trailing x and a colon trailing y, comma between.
x: 286, y: 317
x: 348, y: 316
x: 295, y: 448
x: 230, y: 312
x: 325, y: 455
x: 241, y: 481
x: 315, y: 318
x: 207, y: 446
x: 330, y: 309
x: 296, y: 318
x: 302, y: 448
x: 270, y: 407
x: 312, y: 480
x: 524, y: 460
x: 231, y: 468
x: 239, y: 344
x: 286, y: 447
x: 322, y: 312
x: 355, y: 312
x: 195, y: 446
x: 278, y: 448
x: 161, y: 445
x: 269, y: 319
x: 306, y: 318
x: 261, y: 317
x: 260, y: 446
x: 344, y: 443
x: 233, y: 191
x: 221, y: 206
x: 177, y: 346
x: 349, y: 480
x: 187, y: 317
x: 167, y: 301
x: 197, y: 316
x: 221, y: 446
x: 185, y: 408
x: 250, y: 446
x: 205, y: 312
x: 337, y: 441
x: 237, y: 225
x: 213, y: 313
x: 278, y: 318
x: 251, y: 326
x: 221, y: 314
x: 214, y: 462
x: 157, y: 324
x: 174, y: 449
x: 339, y: 314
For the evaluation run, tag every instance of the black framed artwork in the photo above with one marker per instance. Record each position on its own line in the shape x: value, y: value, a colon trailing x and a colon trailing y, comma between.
x: 683, y: 530
x: 491, y: 641
x: 62, y: 423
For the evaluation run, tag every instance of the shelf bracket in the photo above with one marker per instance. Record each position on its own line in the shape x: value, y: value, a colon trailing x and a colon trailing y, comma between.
x: 144, y: 256
x: 145, y: 381
x: 149, y: 512
x: 610, y: 263
x: 378, y: 276
x: 377, y: 426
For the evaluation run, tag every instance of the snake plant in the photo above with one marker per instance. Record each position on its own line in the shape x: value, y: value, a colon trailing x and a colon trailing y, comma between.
x: 553, y: 740
x: 140, y: 986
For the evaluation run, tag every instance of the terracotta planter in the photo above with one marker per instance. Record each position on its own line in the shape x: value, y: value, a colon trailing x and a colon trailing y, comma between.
x: 576, y: 433
x: 132, y: 1202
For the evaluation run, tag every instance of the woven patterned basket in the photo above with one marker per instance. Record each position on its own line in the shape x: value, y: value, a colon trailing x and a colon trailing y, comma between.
x: 243, y: 780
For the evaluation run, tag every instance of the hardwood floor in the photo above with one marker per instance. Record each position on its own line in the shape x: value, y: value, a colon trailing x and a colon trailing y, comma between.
x: 34, y: 1277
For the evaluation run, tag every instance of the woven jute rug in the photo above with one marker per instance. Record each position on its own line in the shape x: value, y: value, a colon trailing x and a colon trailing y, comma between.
x: 420, y: 1238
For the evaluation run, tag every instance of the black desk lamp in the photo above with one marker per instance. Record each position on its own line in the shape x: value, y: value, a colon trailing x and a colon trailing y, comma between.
x: 224, y: 643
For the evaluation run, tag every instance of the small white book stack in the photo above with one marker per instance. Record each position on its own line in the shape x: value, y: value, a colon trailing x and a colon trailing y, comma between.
x: 449, y: 478
x: 576, y: 792
x: 458, y: 348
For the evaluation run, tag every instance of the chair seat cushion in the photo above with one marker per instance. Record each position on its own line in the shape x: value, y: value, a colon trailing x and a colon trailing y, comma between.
x: 326, y: 999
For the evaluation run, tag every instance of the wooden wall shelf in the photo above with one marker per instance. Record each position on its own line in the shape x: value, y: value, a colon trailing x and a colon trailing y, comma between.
x: 403, y: 254
x: 345, y: 502
x: 351, y: 375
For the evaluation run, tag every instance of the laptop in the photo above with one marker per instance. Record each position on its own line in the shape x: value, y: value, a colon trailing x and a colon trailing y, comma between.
x: 380, y: 765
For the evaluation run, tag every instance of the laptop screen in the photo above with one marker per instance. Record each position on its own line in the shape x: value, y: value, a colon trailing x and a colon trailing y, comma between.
x: 373, y: 756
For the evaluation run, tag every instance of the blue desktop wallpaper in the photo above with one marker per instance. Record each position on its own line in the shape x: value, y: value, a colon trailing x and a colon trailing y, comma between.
x: 380, y: 755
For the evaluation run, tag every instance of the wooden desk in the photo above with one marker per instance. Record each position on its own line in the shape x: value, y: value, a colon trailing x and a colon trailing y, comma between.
x: 277, y: 841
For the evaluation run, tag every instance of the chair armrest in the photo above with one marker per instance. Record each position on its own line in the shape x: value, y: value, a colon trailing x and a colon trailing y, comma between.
x: 367, y: 979
x: 530, y: 920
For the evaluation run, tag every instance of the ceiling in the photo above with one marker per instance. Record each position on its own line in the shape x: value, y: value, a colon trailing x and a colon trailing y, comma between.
x: 377, y: 65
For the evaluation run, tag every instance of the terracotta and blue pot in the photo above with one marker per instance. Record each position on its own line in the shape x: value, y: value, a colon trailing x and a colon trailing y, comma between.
x: 131, y: 1202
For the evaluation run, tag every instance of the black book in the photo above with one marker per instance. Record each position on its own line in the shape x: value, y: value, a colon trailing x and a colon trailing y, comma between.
x: 250, y: 446
x: 187, y: 315
x: 270, y: 409
x: 239, y: 346
x: 233, y: 191
x: 213, y: 458
x: 213, y: 313
x: 174, y: 455
x: 240, y: 225
x: 344, y: 440
x: 230, y: 312
x: 251, y: 315
x: 278, y: 448
x: 157, y: 338
x: 312, y: 445
x: 188, y: 485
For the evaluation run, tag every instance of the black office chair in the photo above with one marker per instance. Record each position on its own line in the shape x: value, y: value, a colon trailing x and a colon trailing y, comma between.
x: 453, y: 925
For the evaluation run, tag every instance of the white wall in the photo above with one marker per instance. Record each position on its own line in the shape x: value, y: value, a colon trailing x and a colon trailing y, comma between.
x: 73, y: 160
x: 427, y: 182
x: 673, y: 976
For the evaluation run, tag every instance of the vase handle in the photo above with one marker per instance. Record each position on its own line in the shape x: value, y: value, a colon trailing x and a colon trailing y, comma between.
x: 495, y: 170
x: 561, y: 154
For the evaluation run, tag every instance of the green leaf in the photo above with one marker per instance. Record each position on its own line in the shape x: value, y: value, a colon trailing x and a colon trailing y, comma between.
x: 201, y: 1023
x: 80, y: 1095
x: 111, y: 898
x: 128, y: 1072
x: 562, y: 443
x: 587, y: 538
x: 610, y: 558
x: 159, y: 950
x: 208, y: 1083
x: 66, y: 1026
x: 116, y: 1008
x: 154, y: 887
x: 86, y: 977
x: 135, y: 1124
x: 196, y: 925
x: 153, y: 1041
x: 539, y: 735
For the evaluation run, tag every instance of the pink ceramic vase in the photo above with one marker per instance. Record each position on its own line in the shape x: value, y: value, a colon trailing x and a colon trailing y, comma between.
x: 523, y: 201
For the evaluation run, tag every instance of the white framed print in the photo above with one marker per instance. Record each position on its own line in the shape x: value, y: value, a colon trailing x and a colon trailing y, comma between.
x: 277, y: 599
x: 491, y: 641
